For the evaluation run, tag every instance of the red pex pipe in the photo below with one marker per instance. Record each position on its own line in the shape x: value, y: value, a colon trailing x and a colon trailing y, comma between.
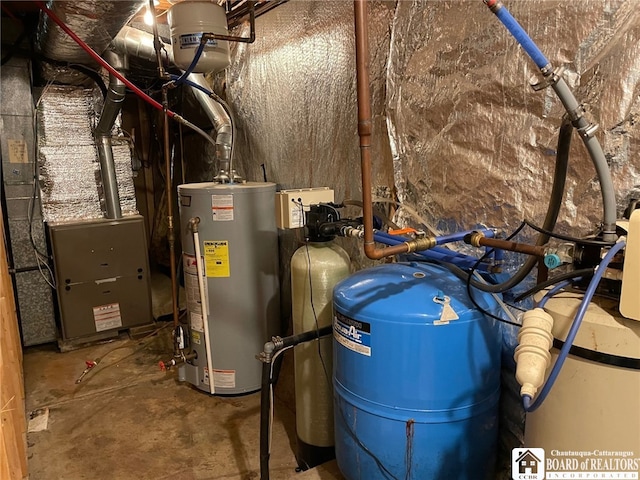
x: 100, y: 60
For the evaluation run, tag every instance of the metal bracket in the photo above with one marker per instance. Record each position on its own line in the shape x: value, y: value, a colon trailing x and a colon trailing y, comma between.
x: 548, y: 79
x: 264, y: 357
x: 588, y: 131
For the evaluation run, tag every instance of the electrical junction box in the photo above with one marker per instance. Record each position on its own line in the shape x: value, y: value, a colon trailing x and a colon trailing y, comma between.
x: 102, y: 276
x: 630, y: 296
x: 291, y: 204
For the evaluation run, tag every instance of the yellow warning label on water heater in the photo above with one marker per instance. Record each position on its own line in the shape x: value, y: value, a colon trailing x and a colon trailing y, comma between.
x: 216, y: 258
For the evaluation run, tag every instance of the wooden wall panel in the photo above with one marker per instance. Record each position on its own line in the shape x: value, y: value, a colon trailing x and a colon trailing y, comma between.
x: 13, y: 436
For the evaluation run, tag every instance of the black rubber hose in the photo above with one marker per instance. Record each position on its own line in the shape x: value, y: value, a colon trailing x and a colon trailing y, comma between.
x: 568, y: 238
x: 585, y: 272
x: 555, y: 202
x: 265, y: 402
x: 93, y: 75
x: 306, y: 336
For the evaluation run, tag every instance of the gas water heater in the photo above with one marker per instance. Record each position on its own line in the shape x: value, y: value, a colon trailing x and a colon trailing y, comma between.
x: 234, y: 265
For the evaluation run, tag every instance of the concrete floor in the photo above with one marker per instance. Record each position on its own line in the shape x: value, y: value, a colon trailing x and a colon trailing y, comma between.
x: 128, y: 420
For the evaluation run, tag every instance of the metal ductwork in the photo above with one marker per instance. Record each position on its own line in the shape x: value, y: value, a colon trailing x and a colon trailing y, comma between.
x: 102, y: 134
x: 220, y: 120
x: 97, y: 22
x: 136, y: 43
x: 101, y: 23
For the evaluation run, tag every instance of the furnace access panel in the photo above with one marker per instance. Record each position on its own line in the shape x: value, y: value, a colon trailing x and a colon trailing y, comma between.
x: 102, y: 275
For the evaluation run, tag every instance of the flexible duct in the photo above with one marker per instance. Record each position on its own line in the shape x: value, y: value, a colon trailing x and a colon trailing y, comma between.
x: 134, y: 42
x: 102, y: 133
x: 95, y: 21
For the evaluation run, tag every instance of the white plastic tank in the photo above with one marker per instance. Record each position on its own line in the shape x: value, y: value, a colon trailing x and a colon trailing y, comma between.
x: 188, y: 20
x: 239, y: 250
x: 593, y: 405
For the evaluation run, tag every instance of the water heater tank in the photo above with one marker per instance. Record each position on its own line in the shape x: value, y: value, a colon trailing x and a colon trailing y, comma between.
x: 416, y: 376
x: 188, y: 20
x: 239, y: 250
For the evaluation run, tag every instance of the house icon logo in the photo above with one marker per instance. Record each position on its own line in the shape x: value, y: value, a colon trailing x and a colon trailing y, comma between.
x: 527, y: 464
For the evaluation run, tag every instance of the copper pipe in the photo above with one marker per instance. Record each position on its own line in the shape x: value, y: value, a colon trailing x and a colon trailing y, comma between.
x: 232, y: 38
x: 169, y: 194
x: 364, y: 131
x: 479, y: 240
x: 157, y: 45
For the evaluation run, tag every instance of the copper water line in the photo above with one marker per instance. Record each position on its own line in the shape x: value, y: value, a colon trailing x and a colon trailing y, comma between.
x: 479, y: 240
x: 157, y: 45
x: 168, y: 193
x: 364, y: 131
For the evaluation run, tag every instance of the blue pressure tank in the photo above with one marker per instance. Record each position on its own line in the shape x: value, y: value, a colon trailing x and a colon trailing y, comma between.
x: 416, y: 376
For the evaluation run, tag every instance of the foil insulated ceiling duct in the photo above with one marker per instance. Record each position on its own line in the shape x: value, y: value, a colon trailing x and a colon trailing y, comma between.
x: 474, y: 144
x: 97, y: 22
x: 70, y: 179
x: 64, y: 75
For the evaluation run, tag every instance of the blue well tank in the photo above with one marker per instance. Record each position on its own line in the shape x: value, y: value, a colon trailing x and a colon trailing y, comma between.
x: 416, y: 389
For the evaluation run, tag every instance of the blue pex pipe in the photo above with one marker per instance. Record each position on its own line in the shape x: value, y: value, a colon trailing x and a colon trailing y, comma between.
x: 192, y: 85
x: 194, y: 62
x: 461, y: 260
x: 555, y: 290
x: 521, y: 36
x: 573, y: 330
